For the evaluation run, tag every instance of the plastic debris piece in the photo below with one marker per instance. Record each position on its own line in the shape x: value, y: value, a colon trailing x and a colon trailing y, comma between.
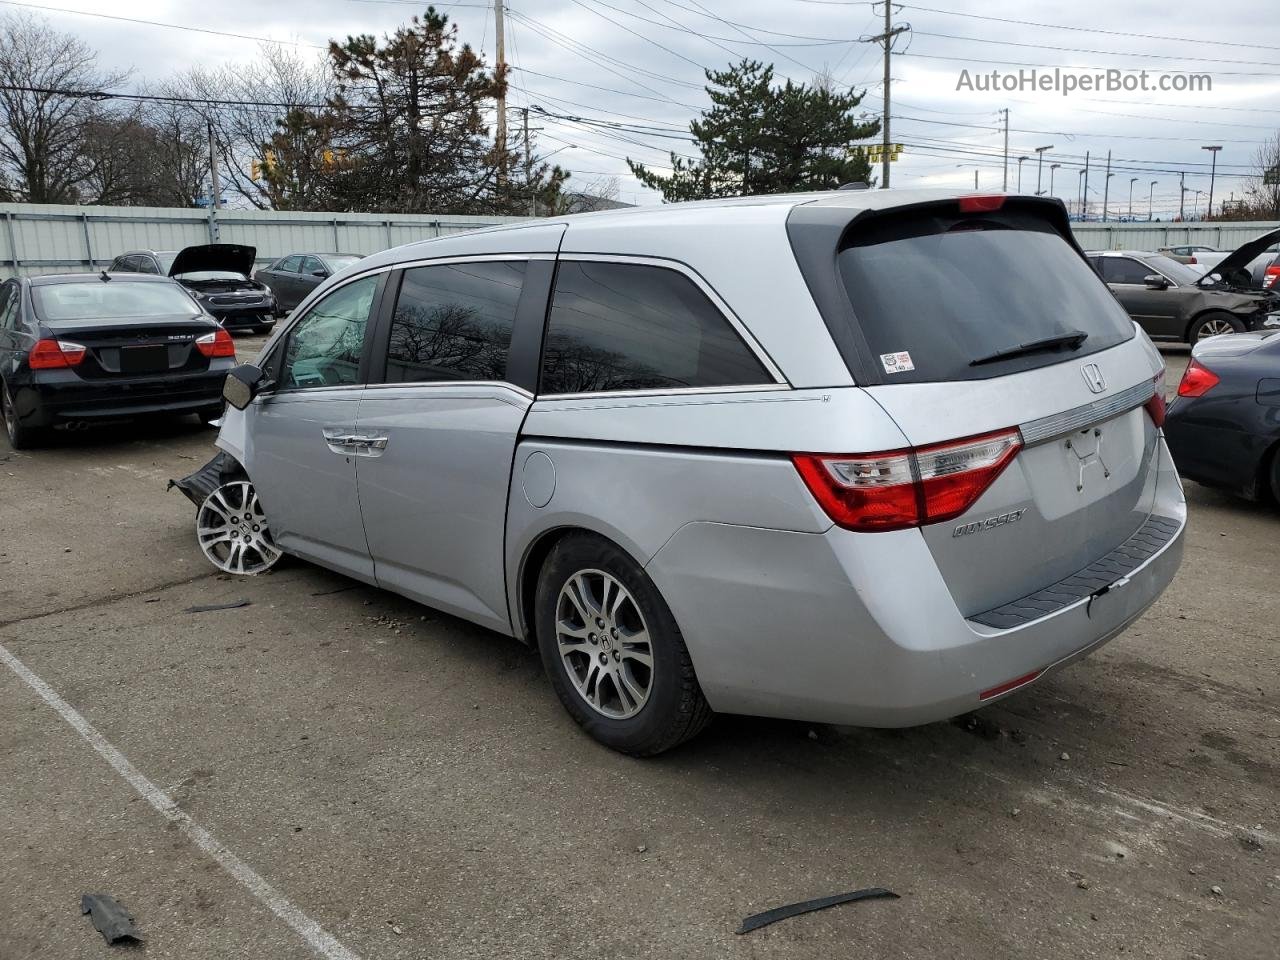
x: 110, y: 919
x: 758, y: 920
x: 197, y: 486
x: 207, y: 607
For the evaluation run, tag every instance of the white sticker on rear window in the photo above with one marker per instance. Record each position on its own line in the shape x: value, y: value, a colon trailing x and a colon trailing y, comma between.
x: 897, y: 362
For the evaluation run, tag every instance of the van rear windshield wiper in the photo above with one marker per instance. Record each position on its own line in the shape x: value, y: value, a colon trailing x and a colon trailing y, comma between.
x: 1071, y: 341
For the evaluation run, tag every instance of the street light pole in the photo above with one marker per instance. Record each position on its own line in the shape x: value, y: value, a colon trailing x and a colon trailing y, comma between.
x: 1052, y: 167
x: 1080, y: 191
x: 1151, y: 192
x: 1020, y: 159
x: 1132, y: 181
x: 1040, y: 165
x: 1213, y: 171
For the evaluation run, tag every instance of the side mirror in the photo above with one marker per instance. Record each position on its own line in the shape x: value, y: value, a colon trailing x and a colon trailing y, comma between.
x: 1156, y: 282
x: 320, y: 273
x: 243, y: 383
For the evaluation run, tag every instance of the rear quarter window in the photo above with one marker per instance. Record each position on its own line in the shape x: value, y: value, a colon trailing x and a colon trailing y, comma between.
x: 628, y: 326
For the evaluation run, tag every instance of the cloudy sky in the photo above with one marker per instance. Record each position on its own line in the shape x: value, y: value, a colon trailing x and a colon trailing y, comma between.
x: 639, y: 62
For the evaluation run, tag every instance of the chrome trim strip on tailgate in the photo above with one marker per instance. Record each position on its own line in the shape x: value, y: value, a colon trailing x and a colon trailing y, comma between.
x: 1078, y: 418
x: 1152, y: 537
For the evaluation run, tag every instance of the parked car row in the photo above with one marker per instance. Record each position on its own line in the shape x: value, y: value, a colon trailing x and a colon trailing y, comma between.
x: 149, y: 335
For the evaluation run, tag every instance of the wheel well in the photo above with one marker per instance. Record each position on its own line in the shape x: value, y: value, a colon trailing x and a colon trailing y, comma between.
x: 530, y: 569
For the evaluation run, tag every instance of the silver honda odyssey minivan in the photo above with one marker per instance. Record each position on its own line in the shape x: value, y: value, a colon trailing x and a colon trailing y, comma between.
x: 873, y: 458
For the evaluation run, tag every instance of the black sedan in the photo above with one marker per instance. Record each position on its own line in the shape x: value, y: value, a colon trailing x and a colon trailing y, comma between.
x: 89, y: 347
x: 1223, y: 428
x: 294, y: 276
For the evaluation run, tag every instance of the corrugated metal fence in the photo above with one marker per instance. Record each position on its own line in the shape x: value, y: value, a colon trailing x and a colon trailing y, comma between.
x: 49, y: 238
x: 1151, y: 236
x: 53, y: 238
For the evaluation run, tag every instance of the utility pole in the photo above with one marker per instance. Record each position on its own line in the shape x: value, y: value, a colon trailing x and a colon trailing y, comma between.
x: 1020, y: 159
x: 528, y: 165
x: 1084, y: 213
x: 1040, y: 165
x: 501, y: 71
x: 1005, y: 111
x: 1213, y: 171
x: 975, y: 178
x: 1182, y: 197
x: 1132, y: 181
x: 215, y: 183
x: 1151, y: 192
x: 1106, y: 189
x: 1052, y: 167
x: 1080, y: 191
x: 886, y: 39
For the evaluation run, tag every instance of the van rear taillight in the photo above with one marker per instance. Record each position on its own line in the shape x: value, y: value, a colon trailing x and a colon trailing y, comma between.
x: 1197, y: 380
x: 897, y: 489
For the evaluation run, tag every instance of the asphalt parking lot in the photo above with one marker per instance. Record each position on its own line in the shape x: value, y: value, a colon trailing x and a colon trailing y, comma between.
x: 355, y: 775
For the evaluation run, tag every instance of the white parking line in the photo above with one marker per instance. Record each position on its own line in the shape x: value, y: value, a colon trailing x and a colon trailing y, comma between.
x: 317, y: 938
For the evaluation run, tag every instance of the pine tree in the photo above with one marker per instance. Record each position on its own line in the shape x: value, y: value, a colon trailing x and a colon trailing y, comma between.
x: 758, y: 138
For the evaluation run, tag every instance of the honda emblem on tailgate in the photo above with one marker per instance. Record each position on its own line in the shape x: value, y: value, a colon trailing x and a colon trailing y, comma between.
x: 1092, y: 374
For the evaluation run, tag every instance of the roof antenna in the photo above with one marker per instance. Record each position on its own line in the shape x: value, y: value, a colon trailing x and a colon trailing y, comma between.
x: 104, y: 276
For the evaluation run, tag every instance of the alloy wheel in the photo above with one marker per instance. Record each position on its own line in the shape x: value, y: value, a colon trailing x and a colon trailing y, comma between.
x: 1214, y: 328
x: 604, y: 644
x: 233, y: 530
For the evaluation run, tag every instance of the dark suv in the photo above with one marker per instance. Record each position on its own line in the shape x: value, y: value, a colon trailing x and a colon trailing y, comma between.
x: 217, y: 275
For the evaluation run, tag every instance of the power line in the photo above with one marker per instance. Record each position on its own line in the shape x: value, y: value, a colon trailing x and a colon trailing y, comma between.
x: 1105, y: 53
x: 1060, y: 26
x: 1061, y: 66
x: 157, y: 23
x: 596, y: 86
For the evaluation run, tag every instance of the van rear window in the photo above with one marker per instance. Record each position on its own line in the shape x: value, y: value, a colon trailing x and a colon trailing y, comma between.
x: 949, y: 296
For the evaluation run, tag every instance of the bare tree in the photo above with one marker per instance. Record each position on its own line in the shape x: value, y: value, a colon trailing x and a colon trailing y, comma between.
x: 1263, y: 190
x: 44, y: 78
x: 244, y: 130
x: 599, y: 193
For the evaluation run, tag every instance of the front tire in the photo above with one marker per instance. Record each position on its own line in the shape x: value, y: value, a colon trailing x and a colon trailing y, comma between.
x: 1212, y: 324
x: 233, y: 532
x: 613, y: 651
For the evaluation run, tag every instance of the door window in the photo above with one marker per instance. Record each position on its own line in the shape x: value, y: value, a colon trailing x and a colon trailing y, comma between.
x: 324, y: 347
x: 290, y: 264
x: 311, y: 266
x: 454, y: 321
x: 1124, y: 270
x: 627, y: 326
x: 145, y: 265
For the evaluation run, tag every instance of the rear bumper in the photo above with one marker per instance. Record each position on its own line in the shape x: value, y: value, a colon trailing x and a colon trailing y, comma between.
x: 840, y: 627
x: 65, y: 397
x: 239, y: 318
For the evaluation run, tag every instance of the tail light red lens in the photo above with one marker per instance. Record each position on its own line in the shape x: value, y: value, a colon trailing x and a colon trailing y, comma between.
x: 55, y: 354
x: 216, y: 344
x: 1197, y: 380
x: 1156, y: 406
x: 1270, y: 277
x: 907, y: 488
x: 1192, y: 260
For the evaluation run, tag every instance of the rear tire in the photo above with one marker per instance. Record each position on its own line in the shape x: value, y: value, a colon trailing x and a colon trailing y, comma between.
x: 21, y: 437
x: 1212, y: 324
x: 613, y: 651
x: 208, y: 415
x: 1275, y: 475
